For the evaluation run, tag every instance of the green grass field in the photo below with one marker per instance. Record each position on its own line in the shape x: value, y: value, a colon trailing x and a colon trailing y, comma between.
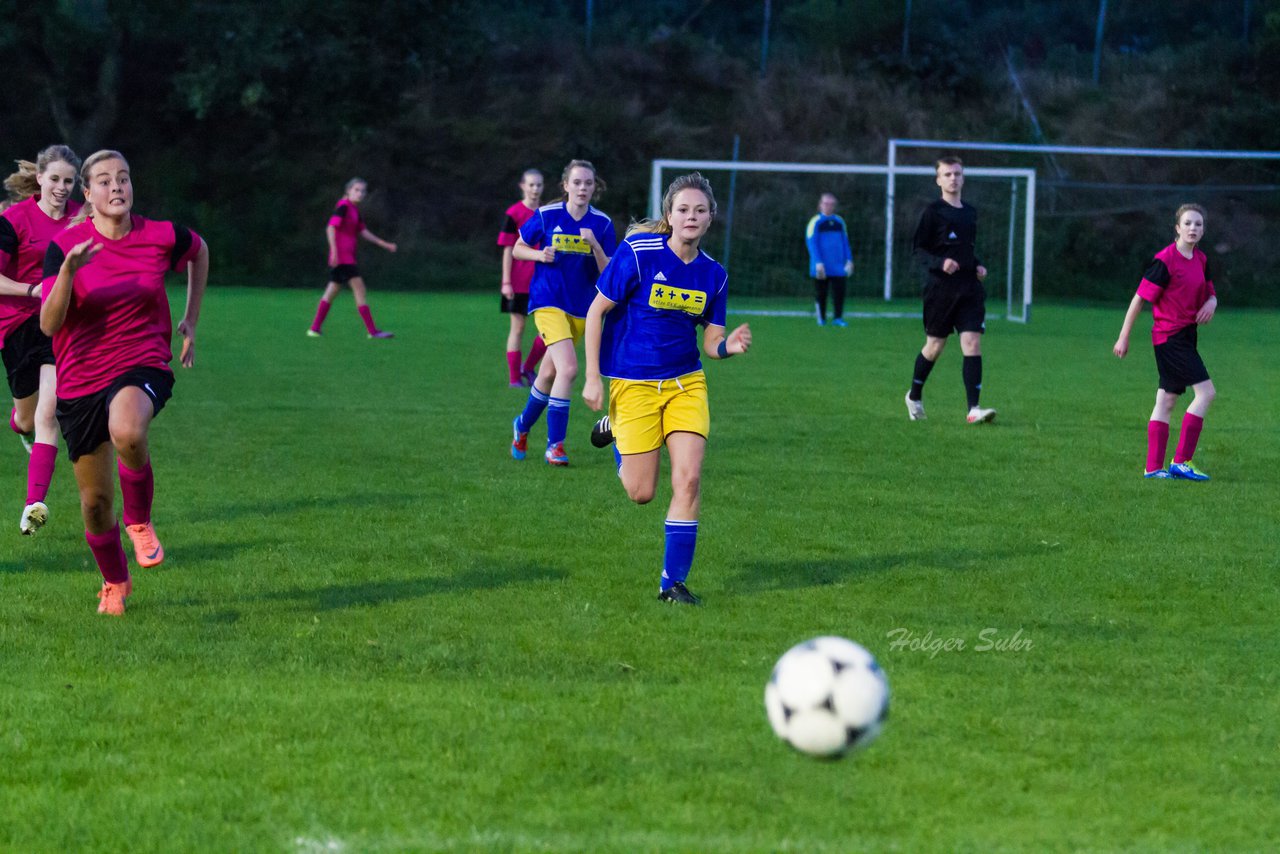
x: 374, y: 631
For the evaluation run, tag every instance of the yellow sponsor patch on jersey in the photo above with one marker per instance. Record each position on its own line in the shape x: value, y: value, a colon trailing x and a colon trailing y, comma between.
x: 663, y: 296
x: 574, y: 244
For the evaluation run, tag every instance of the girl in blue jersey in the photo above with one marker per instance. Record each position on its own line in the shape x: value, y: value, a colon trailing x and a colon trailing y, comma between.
x: 663, y: 288
x: 578, y: 241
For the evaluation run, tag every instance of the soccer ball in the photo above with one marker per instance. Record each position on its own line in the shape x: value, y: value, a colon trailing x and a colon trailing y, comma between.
x: 826, y: 697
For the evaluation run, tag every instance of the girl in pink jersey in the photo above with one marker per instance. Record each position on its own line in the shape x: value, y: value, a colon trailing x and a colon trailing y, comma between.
x: 1179, y: 287
x: 516, y: 276
x: 105, y: 306
x: 345, y: 230
x: 41, y: 193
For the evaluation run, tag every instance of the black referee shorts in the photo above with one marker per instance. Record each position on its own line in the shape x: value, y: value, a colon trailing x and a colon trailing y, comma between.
x: 26, y: 350
x: 1179, y: 362
x: 954, y: 307
x: 85, y: 421
x: 344, y: 273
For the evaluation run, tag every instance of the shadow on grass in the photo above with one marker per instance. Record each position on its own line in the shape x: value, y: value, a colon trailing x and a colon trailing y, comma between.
x: 266, y: 508
x: 336, y: 596
x: 788, y: 575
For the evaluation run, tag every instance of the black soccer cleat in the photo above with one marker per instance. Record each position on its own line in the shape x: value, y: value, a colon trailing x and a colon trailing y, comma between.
x: 602, y: 433
x: 678, y: 594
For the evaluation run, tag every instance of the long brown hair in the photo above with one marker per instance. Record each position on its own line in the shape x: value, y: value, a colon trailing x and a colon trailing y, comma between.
x: 22, y: 184
x: 662, y: 225
x: 581, y: 164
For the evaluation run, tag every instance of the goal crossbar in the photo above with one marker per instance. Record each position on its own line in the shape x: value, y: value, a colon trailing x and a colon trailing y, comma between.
x: 890, y: 171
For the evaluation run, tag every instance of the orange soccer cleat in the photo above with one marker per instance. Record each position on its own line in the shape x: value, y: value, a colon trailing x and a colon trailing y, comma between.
x: 146, y: 545
x: 111, y: 597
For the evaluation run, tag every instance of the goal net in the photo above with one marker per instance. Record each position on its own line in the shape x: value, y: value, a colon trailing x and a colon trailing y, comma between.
x: 1103, y: 211
x: 764, y: 209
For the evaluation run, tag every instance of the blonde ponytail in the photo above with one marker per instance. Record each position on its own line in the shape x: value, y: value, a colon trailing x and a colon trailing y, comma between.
x: 23, y: 183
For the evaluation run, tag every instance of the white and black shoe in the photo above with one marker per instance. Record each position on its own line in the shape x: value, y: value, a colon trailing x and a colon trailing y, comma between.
x: 678, y: 594
x: 602, y: 433
x: 34, y: 515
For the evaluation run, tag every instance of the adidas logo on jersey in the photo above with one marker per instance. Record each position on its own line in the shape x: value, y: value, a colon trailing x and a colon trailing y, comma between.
x: 659, y: 277
x: 558, y: 228
x: 951, y: 236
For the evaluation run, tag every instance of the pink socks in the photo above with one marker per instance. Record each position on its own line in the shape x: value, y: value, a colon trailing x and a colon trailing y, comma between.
x: 1187, y: 439
x: 109, y: 554
x: 1157, y: 442
x: 136, y: 491
x: 40, y: 471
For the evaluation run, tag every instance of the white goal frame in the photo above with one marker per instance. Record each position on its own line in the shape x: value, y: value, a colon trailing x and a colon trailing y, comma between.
x: 890, y: 171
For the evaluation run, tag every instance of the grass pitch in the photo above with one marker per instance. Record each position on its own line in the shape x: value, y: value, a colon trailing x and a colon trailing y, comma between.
x: 374, y: 631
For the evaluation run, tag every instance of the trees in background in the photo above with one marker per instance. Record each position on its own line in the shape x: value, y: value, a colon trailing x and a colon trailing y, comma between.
x: 249, y: 116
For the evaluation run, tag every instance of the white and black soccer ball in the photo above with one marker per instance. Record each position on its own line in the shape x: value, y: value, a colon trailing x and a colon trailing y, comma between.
x: 826, y: 697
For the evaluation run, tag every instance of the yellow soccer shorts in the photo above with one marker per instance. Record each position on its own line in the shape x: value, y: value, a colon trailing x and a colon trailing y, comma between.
x: 643, y: 413
x: 555, y: 325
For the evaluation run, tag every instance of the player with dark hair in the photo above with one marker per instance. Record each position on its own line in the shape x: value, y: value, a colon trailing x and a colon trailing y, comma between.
x: 105, y: 306
x: 954, y: 297
x: 42, y: 205
x: 344, y: 231
x: 516, y: 276
x: 642, y: 332
x: 577, y: 241
x: 830, y: 259
x: 1179, y: 286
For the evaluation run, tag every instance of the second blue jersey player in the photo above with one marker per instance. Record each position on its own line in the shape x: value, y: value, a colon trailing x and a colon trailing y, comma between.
x: 642, y: 332
x: 577, y: 241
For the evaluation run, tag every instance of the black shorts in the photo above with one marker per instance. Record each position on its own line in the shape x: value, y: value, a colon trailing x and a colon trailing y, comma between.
x: 344, y: 273
x: 26, y: 350
x: 954, y: 306
x: 518, y: 304
x: 85, y: 420
x: 1179, y: 362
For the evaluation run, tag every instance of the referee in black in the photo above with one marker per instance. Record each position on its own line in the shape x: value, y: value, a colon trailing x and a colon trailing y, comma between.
x: 954, y: 297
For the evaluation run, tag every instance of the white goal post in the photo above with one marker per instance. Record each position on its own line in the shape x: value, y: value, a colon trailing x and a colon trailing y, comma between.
x: 1011, y: 250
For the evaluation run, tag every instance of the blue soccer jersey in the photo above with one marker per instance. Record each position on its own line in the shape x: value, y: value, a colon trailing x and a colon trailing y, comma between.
x: 652, y: 332
x: 566, y: 284
x: 828, y: 241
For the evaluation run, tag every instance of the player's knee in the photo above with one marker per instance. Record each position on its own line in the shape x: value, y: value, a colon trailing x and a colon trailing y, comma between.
x: 129, y: 440
x: 640, y: 493
x: 686, y: 484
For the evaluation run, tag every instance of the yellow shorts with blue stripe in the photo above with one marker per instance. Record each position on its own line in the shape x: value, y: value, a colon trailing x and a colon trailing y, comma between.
x: 643, y: 413
x: 555, y: 325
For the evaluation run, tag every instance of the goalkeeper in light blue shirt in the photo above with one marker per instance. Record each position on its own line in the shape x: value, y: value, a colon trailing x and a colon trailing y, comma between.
x: 830, y: 259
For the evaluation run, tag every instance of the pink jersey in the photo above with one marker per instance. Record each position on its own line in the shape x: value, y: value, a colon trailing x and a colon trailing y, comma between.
x: 1177, y: 287
x: 25, y: 232
x: 521, y: 271
x: 347, y: 226
x: 118, y: 316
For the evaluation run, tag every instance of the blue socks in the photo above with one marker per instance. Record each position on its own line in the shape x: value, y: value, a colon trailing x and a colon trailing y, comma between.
x: 557, y: 420
x: 532, y: 410
x: 682, y: 538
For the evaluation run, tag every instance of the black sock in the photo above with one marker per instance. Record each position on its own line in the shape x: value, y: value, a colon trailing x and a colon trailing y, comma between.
x: 923, y: 367
x: 820, y: 297
x: 972, y: 372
